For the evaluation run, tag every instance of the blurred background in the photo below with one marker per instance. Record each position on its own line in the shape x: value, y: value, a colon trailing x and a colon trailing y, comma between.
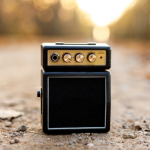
x: 98, y: 19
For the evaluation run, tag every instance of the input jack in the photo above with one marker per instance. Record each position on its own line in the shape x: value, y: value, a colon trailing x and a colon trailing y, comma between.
x: 54, y: 57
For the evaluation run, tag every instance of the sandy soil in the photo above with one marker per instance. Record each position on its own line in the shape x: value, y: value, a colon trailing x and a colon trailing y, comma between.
x: 20, y: 80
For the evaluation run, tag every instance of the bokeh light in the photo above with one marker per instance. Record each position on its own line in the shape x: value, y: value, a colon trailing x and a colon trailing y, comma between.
x: 43, y: 4
x: 68, y: 4
x: 101, y: 34
x: 65, y: 15
x: 46, y: 15
x: 9, y: 6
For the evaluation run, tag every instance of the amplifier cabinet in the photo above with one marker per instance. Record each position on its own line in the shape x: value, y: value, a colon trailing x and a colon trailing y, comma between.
x: 75, y: 102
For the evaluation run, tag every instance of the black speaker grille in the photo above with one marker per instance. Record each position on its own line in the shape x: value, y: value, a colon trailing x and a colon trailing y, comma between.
x: 76, y: 102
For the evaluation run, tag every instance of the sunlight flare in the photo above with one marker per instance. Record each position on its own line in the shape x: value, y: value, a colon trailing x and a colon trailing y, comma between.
x: 104, y: 12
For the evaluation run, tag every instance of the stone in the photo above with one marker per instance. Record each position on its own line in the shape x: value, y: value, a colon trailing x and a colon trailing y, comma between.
x: 16, y: 140
x: 79, y: 138
x: 74, y: 141
x: 13, y: 129
x: 4, y: 145
x: 90, y: 144
x: 125, y: 126
x: 102, y: 141
x: 8, y: 124
x: 15, y: 133
x: 141, y: 126
x: 11, y: 102
x: 59, y: 144
x: 145, y: 144
x: 129, y: 135
x: 145, y: 133
x: 22, y: 128
x: 148, y: 134
x: 93, y: 138
x: 12, y: 141
x: 9, y: 113
x: 31, y: 132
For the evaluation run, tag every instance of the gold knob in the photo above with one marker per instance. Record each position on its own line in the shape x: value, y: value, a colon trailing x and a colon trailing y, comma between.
x: 79, y: 58
x: 92, y: 57
x: 67, y: 57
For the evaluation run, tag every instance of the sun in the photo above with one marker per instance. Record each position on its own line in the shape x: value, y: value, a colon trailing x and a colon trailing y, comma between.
x: 104, y: 12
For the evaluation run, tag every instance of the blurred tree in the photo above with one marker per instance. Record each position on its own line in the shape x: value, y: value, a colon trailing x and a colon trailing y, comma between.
x: 41, y: 17
x: 135, y: 23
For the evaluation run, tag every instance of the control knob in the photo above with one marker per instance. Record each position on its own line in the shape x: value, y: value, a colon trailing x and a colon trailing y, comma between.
x: 91, y: 57
x: 79, y: 58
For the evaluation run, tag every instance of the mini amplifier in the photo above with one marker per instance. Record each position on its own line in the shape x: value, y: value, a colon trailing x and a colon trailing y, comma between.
x: 73, y: 100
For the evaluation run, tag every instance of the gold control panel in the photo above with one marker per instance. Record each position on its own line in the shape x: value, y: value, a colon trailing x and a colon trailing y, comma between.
x: 59, y: 57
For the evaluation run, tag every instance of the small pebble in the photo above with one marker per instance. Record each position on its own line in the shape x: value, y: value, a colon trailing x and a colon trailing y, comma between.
x: 139, y: 141
x: 59, y: 144
x: 15, y: 133
x: 22, y: 127
x: 90, y: 144
x: 31, y: 131
x: 74, y: 141
x: 87, y: 133
x: 125, y: 126
x: 12, y: 141
x: 148, y: 133
x: 16, y: 140
x: 102, y: 141
x: 70, y: 143
x: 8, y: 124
x: 129, y: 136
x: 4, y: 145
x: 21, y: 134
x: 13, y: 129
x: 145, y: 144
x: 80, y: 138
x: 48, y: 147
x: 93, y: 138
x: 48, y: 138
x: 145, y: 133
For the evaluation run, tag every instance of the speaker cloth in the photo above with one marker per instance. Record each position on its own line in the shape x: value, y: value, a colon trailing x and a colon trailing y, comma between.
x: 76, y: 102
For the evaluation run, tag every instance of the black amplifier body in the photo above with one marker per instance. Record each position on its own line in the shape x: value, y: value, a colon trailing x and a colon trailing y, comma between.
x: 74, y: 100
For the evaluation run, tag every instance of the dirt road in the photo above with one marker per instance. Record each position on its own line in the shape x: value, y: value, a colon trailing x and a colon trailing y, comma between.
x: 20, y: 79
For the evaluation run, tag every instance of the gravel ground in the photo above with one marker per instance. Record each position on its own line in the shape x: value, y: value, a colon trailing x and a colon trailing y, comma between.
x: 20, y: 80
